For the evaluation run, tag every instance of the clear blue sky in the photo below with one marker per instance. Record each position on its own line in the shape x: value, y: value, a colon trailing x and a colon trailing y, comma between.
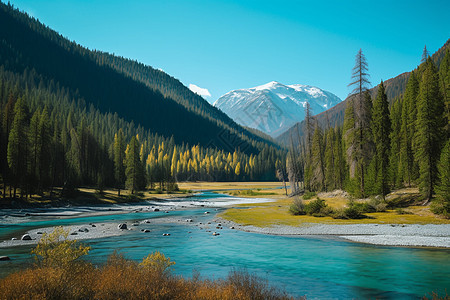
x: 226, y: 45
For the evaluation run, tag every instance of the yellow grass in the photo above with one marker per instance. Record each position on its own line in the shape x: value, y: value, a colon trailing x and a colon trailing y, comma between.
x: 277, y: 213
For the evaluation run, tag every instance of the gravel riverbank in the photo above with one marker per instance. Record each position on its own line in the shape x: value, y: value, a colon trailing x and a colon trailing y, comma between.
x: 411, y: 235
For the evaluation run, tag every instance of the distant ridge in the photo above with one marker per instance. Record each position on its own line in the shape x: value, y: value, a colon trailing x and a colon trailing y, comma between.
x: 138, y: 93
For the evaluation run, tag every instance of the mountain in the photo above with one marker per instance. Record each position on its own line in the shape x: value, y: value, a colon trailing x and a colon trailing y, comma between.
x: 395, y: 87
x: 274, y: 107
x: 138, y: 93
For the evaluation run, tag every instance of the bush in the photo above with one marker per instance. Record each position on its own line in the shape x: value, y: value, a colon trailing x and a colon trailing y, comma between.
x: 440, y: 207
x: 309, y: 195
x: 353, y: 211
x: 363, y: 207
x: 54, y: 250
x: 157, y: 262
x: 315, y: 206
x: 297, y: 207
x: 121, y: 278
x: 379, y: 205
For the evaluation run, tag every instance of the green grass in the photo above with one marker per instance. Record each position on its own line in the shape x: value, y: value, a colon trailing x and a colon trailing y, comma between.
x: 277, y: 213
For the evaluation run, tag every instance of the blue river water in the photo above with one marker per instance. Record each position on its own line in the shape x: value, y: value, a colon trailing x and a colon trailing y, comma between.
x: 318, y: 267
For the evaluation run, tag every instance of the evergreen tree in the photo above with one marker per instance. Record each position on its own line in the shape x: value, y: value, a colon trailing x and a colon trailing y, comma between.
x: 18, y: 146
x: 381, y: 128
x: 444, y: 80
x: 330, y: 160
x: 429, y: 123
x: 443, y: 186
x: 340, y: 167
x: 134, y: 169
x: 407, y: 166
x: 425, y: 54
x: 396, y: 169
x: 362, y: 117
x: 119, y: 159
x: 317, y: 161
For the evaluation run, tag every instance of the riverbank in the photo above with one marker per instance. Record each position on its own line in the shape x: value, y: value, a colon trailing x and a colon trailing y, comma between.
x: 410, y: 235
x: 410, y: 225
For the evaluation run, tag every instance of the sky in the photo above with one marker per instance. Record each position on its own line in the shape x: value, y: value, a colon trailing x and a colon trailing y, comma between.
x: 214, y: 47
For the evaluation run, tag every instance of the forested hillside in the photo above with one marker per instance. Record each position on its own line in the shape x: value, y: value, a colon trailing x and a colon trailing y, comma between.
x: 394, y: 88
x: 71, y: 117
x: 138, y: 93
x: 382, y: 146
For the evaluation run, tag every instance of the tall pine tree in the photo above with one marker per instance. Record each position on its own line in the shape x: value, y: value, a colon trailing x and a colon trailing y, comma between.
x: 429, y: 126
x: 381, y: 129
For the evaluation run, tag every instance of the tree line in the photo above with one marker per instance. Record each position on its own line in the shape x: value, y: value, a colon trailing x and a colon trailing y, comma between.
x: 381, y: 147
x: 50, y: 139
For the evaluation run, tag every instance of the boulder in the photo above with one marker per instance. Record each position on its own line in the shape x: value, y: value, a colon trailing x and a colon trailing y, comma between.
x: 3, y: 258
x: 232, y: 227
x: 145, y: 230
x: 156, y: 209
x: 122, y: 226
x: 38, y: 232
x: 74, y: 233
x: 206, y: 212
x: 216, y: 233
x: 14, y: 239
x: 26, y: 237
x: 188, y: 220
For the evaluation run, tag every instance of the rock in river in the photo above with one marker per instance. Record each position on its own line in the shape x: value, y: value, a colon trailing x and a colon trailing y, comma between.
x: 26, y: 237
x: 122, y: 226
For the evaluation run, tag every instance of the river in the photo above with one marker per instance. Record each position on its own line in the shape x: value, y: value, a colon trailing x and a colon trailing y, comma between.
x: 318, y: 267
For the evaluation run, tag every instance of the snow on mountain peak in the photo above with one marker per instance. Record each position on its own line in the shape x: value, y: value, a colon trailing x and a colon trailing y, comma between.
x: 274, y: 107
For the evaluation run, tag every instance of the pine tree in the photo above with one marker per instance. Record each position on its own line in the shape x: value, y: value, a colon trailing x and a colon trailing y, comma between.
x: 362, y: 118
x: 443, y: 186
x: 425, y: 54
x: 330, y: 160
x: 119, y: 159
x: 444, y: 80
x: 396, y: 169
x: 18, y: 146
x: 317, y: 161
x: 407, y: 166
x: 429, y: 124
x: 381, y: 128
x: 309, y: 128
x: 134, y: 168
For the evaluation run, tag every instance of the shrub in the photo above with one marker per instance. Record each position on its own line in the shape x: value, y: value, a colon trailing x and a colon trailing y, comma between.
x: 363, y: 207
x: 440, y: 207
x: 157, y: 262
x: 378, y: 205
x: 308, y: 195
x: 315, y: 206
x: 121, y: 278
x: 351, y: 212
x: 297, y: 207
x: 55, y: 250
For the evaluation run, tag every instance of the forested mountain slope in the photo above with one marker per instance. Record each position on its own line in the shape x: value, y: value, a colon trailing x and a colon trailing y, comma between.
x: 138, y: 93
x: 395, y: 87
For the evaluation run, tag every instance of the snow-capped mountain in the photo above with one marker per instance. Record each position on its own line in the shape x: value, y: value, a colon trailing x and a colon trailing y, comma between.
x: 274, y: 107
